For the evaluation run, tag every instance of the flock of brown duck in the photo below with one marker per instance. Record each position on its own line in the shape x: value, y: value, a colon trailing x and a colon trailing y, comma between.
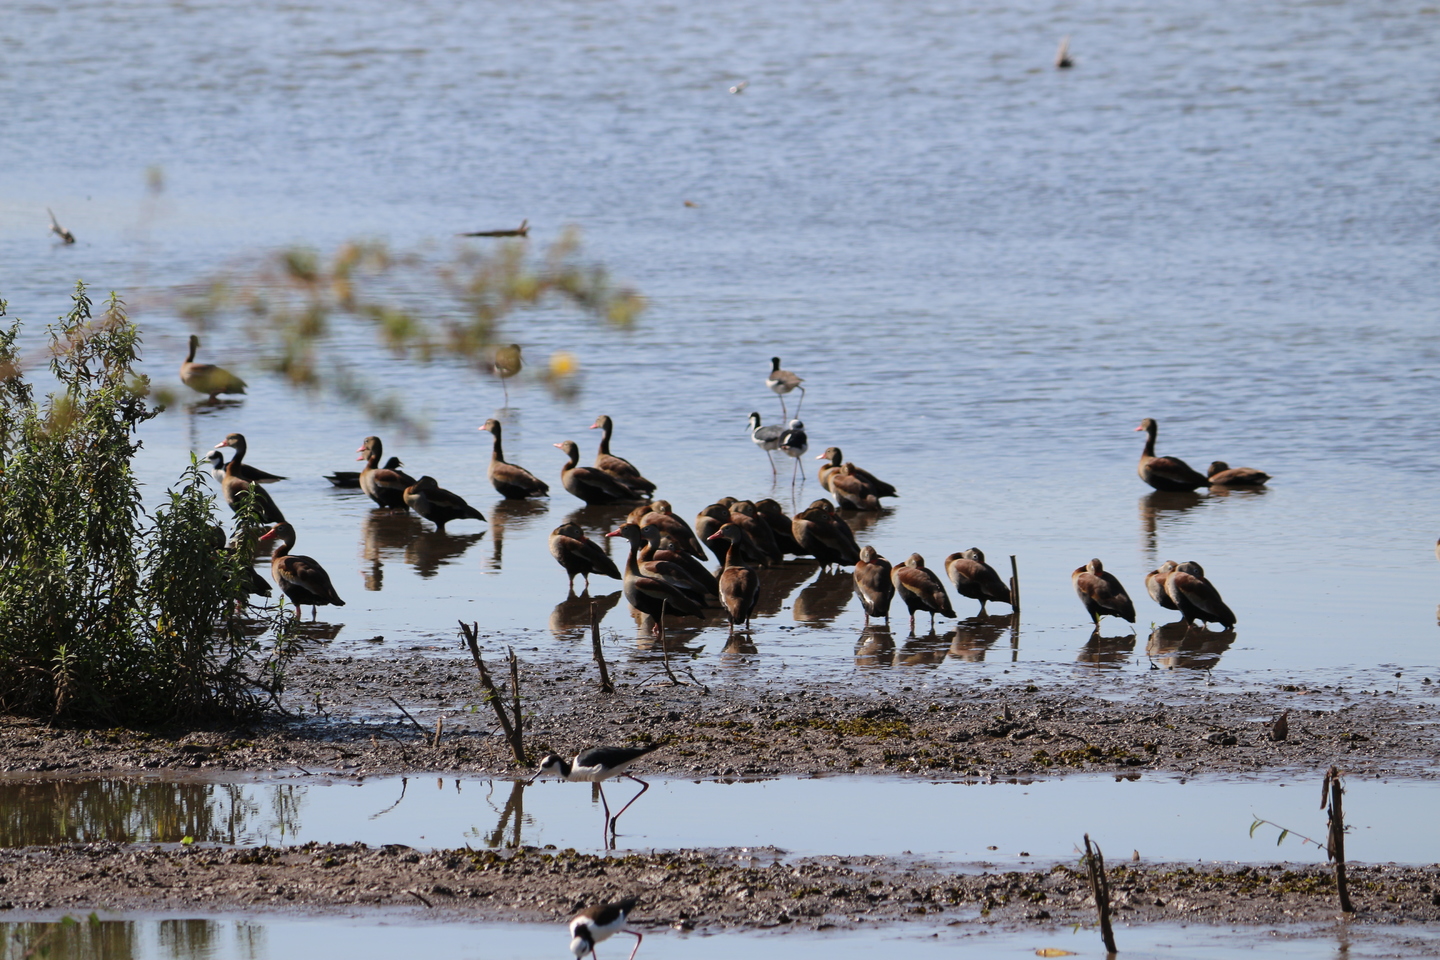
x: 665, y: 573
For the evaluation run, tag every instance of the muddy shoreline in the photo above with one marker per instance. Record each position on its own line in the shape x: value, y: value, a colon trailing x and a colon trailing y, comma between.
x: 896, y: 725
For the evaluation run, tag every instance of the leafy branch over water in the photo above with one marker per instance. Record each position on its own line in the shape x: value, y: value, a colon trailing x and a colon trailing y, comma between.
x: 297, y: 304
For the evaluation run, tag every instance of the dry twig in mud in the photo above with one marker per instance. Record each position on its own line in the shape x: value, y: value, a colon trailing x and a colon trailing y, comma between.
x: 1100, y: 887
x: 605, y: 685
x: 407, y: 715
x: 514, y: 730
x: 675, y: 681
x: 1335, y: 841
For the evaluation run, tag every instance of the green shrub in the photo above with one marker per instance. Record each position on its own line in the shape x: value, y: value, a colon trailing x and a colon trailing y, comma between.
x: 107, y: 615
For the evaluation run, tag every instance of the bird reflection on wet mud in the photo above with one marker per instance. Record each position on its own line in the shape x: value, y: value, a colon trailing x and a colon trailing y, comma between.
x: 385, y: 531
x: 570, y: 620
x: 679, y: 635
x: 875, y: 647
x: 431, y: 550
x: 1164, y: 508
x: 974, y: 636
x: 824, y: 598
x: 510, y: 516
x: 927, y: 651
x: 1187, y: 645
x: 1110, y: 652
x: 778, y: 582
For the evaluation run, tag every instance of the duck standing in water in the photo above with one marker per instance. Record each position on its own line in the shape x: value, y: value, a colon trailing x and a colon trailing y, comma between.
x: 577, y: 553
x: 511, y: 481
x: 1221, y: 474
x: 976, y: 579
x: 207, y: 378
x: 301, y: 579
x: 386, y: 487
x: 1165, y: 473
x: 618, y: 467
x: 873, y: 584
x: 1196, y: 597
x: 438, y: 505
x: 739, y: 582
x: 1101, y: 593
x: 1155, y: 582
x: 921, y: 590
x: 590, y: 483
x: 234, y: 484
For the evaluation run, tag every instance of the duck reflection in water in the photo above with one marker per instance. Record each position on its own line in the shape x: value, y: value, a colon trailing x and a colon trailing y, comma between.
x: 570, y: 619
x: 1164, y: 507
x: 1187, y: 645
x: 974, y: 636
x: 777, y: 583
x: 927, y: 651
x: 431, y: 550
x: 1112, y: 652
x: 385, y: 531
x: 824, y: 598
x: 678, y: 639
x: 875, y: 647
x: 507, y: 516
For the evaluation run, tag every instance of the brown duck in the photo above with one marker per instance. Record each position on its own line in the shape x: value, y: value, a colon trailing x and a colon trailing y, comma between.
x: 651, y: 595
x: 1221, y: 474
x: 577, y: 553
x: 663, y: 517
x: 660, y: 546
x: 1155, y: 584
x: 715, y: 516
x: 438, y: 505
x: 589, y: 483
x: 834, y: 461
x: 1101, y: 593
x: 1196, y: 597
x: 739, y: 582
x: 660, y: 568
x: 618, y: 467
x: 234, y: 483
x: 976, y: 579
x: 822, y: 534
x: 207, y: 378
x: 921, y: 590
x: 744, y: 514
x: 873, y: 584
x: 781, y: 526
x: 1165, y: 473
x: 385, y: 487
x: 511, y: 481
x: 300, y: 578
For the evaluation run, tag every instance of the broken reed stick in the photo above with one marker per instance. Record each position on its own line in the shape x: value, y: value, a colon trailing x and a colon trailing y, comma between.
x: 439, y: 729
x: 519, y: 718
x: 522, y: 231
x: 407, y: 715
x: 605, y: 685
x: 1335, y: 840
x: 1100, y: 887
x: 471, y: 632
x: 1014, y: 586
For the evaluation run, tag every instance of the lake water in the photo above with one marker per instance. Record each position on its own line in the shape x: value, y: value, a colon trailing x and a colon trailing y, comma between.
x: 987, y: 271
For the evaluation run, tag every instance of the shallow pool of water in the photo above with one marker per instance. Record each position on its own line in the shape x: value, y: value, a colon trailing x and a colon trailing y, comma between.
x: 1163, y: 818
x: 271, y: 938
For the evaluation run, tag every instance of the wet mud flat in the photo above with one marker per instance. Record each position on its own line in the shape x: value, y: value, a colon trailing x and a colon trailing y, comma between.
x: 344, y: 724
x: 747, y: 889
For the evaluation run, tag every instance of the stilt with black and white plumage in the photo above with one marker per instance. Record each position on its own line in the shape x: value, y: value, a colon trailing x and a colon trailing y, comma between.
x: 766, y: 438
x: 595, y: 765
x: 783, y: 382
x: 595, y: 924
x: 794, y: 443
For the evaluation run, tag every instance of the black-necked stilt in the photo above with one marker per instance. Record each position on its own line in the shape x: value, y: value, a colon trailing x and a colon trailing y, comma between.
x: 782, y: 382
x: 595, y: 765
x: 794, y: 443
x: 594, y: 924
x: 766, y: 438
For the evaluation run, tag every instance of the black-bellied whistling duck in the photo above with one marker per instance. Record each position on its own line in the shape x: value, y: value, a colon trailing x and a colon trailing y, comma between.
x: 918, y: 586
x: 652, y: 595
x: 301, y: 579
x: 659, y: 545
x: 589, y: 483
x: 1101, y: 593
x: 739, y: 583
x: 509, y: 480
x: 618, y: 467
x: 873, y: 584
x: 438, y: 505
x: 822, y: 533
x: 350, y: 479
x: 668, y: 570
x: 1155, y: 584
x: 711, y: 519
x: 851, y: 491
x: 833, y: 459
x: 207, y: 378
x: 662, y: 516
x: 1221, y: 474
x: 780, y: 525
x: 1165, y: 473
x: 767, y: 438
x: 234, y: 484
x: 385, y: 487
x: 577, y: 553
x: 976, y: 579
x: 246, y: 472
x: 745, y: 515
x: 1196, y: 597
x: 249, y: 578
x: 783, y: 382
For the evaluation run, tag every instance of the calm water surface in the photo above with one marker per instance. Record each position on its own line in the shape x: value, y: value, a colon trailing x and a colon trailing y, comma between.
x: 988, y: 272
